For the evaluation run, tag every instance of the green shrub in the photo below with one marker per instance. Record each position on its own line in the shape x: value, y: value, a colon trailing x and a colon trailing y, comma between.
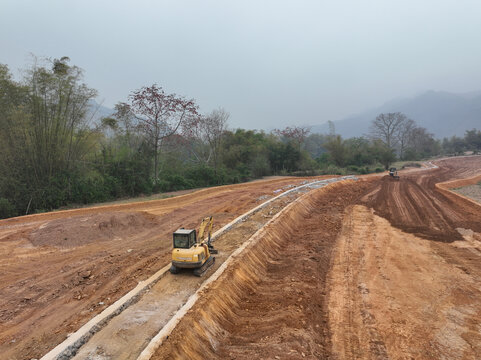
x: 6, y: 209
x: 364, y: 170
x: 412, y: 164
x: 332, y: 170
x: 201, y: 176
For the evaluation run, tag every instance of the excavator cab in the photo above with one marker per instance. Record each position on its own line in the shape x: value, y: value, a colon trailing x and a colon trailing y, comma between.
x: 184, y: 239
x: 190, y: 252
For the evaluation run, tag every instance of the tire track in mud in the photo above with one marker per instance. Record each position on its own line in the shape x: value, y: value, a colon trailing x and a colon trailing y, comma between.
x: 416, y: 205
x: 394, y: 295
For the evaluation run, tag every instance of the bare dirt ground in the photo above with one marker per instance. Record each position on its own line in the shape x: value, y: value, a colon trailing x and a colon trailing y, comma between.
x: 272, y: 303
x: 125, y: 336
x: 374, y: 269
x: 395, y: 295
x: 59, y: 269
x: 415, y: 204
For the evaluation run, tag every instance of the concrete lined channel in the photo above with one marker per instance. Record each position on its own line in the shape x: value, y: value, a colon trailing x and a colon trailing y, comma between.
x: 125, y: 328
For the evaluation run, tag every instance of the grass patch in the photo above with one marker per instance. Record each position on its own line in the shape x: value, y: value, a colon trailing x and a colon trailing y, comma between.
x: 405, y: 164
x: 152, y: 197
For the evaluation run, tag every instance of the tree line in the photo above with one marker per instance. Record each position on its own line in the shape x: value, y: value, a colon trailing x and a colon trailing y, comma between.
x: 55, y: 152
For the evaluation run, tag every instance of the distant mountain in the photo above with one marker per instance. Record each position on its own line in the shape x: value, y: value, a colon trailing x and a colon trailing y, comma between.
x: 441, y: 113
x: 97, y: 112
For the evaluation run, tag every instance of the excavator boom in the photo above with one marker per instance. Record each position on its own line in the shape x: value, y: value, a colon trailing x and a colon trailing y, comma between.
x: 206, y: 223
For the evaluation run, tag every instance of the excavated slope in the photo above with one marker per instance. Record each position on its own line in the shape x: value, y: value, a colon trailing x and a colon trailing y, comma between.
x: 394, y: 293
x: 271, y: 301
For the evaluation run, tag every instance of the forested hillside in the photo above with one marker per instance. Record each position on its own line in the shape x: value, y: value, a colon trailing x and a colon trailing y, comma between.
x: 54, y: 155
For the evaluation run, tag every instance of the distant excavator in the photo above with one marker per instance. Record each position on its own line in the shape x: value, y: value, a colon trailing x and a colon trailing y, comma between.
x: 192, y: 251
x: 393, y: 173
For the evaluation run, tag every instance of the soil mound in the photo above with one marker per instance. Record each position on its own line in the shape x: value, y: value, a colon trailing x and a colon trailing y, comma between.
x: 82, y: 230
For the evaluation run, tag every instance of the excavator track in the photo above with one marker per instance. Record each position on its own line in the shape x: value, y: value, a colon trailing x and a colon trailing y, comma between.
x: 201, y: 270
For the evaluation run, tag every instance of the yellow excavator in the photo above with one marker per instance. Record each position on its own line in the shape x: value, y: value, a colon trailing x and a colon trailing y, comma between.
x: 192, y: 251
x: 393, y: 173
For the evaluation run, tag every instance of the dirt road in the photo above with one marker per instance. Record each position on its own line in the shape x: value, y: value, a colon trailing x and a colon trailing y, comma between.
x: 416, y: 205
x: 395, y: 295
x: 378, y: 269
x: 57, y: 270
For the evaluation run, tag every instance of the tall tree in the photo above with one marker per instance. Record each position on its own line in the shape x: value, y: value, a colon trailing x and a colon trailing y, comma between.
x: 211, y: 128
x: 47, y: 133
x: 314, y: 144
x: 386, y: 127
x: 59, y: 107
x: 337, y: 149
x: 160, y: 116
x: 125, y: 124
x: 296, y: 134
x: 13, y: 117
x: 203, y: 137
x: 383, y: 154
x: 422, y: 143
x: 404, y: 134
x: 473, y: 140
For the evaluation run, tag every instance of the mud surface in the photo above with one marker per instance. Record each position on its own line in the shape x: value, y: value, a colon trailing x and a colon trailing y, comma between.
x: 394, y: 295
x: 83, y: 230
x: 57, y: 270
x: 376, y: 269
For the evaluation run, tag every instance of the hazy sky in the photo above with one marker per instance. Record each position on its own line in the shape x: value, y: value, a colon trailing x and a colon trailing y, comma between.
x: 269, y: 63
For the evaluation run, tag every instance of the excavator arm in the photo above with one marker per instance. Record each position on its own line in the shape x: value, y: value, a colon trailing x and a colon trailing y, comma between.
x: 206, y: 224
x: 206, y: 227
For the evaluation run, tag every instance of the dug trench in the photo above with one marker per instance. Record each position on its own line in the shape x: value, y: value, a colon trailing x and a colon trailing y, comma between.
x: 126, y: 335
x: 374, y: 269
x: 59, y: 269
x: 271, y: 302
